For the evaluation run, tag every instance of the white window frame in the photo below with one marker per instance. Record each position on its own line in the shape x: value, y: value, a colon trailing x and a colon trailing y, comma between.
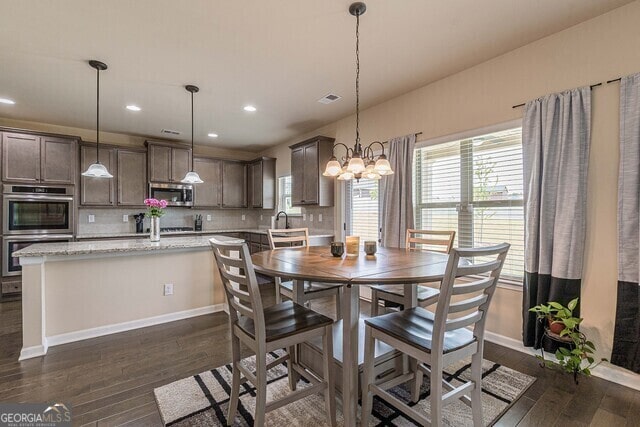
x: 281, y: 198
x: 510, y: 284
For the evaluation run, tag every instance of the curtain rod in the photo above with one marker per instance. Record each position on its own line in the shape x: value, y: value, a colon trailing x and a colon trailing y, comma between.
x: 416, y: 134
x: 591, y: 87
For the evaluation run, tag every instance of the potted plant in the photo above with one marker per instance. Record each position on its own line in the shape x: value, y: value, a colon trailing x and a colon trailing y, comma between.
x: 576, y: 356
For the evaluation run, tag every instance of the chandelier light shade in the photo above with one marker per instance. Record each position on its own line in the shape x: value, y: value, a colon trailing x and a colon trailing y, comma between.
x: 192, y: 176
x: 97, y: 169
x: 359, y: 162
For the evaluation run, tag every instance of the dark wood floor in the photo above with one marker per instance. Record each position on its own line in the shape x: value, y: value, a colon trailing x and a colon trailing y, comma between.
x: 110, y: 380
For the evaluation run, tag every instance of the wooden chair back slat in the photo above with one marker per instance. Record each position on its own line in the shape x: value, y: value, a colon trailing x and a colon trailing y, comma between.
x: 289, y: 235
x: 477, y: 304
x: 437, y: 240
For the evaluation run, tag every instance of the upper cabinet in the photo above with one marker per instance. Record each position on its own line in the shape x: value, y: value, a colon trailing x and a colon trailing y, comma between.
x: 132, y: 177
x: 308, y: 186
x: 97, y: 191
x: 262, y: 183
x: 209, y: 193
x: 128, y: 187
x: 38, y: 159
x: 234, y: 184
x: 167, y: 163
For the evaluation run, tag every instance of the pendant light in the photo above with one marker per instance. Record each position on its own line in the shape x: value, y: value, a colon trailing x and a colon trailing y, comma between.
x: 359, y: 162
x: 192, y: 176
x: 97, y: 169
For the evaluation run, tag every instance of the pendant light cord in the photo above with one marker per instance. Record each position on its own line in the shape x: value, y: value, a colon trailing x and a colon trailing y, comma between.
x: 191, y: 131
x: 98, y: 116
x: 358, y: 82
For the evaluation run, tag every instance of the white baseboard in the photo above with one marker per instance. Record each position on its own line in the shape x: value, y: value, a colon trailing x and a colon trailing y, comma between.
x: 605, y: 370
x: 133, y: 324
x: 34, y: 351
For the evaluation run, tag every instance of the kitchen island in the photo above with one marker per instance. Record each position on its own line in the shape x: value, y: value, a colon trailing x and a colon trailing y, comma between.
x: 79, y: 290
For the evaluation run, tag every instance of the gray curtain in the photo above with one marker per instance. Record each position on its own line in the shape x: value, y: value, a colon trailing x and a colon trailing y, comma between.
x: 626, y: 345
x: 556, y: 134
x: 397, y: 192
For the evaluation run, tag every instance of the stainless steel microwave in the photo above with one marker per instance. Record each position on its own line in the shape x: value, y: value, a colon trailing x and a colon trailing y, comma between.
x: 174, y: 194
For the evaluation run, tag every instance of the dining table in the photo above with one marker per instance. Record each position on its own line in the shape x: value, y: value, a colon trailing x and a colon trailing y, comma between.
x: 387, y: 266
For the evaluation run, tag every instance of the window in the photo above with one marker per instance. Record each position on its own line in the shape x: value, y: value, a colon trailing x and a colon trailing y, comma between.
x: 284, y: 196
x: 474, y: 186
x: 363, y: 209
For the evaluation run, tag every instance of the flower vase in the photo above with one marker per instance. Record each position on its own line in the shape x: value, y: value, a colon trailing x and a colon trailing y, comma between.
x: 155, y: 229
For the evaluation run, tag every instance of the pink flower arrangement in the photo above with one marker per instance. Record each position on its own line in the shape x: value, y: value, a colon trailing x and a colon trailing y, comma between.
x: 155, y: 207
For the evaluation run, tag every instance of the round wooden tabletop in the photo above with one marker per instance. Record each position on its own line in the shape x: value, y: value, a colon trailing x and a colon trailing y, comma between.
x: 387, y: 266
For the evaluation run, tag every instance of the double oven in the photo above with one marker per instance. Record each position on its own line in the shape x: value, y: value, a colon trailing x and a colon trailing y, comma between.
x: 34, y: 214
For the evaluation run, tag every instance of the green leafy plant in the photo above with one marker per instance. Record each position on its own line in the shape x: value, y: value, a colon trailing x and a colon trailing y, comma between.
x: 578, y: 358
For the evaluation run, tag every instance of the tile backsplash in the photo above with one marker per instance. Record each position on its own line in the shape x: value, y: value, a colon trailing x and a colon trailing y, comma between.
x: 111, y: 220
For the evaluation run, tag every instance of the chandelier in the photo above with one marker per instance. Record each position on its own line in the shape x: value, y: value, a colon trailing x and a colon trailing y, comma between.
x: 358, y: 162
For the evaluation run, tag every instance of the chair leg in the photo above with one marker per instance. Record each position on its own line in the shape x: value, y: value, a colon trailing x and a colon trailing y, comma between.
x: 327, y: 361
x: 476, y: 394
x: 367, y: 377
x: 235, y: 382
x: 292, y: 373
x: 278, y: 295
x: 416, y: 383
x: 339, y: 304
x: 436, y: 395
x: 261, y: 388
x: 374, y: 303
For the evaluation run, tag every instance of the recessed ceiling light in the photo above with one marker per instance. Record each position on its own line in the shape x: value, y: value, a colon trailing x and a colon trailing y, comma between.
x: 212, y: 135
x: 133, y: 108
x: 7, y: 101
x: 250, y: 108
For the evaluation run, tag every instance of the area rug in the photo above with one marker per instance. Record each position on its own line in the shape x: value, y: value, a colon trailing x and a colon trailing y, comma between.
x: 202, y: 400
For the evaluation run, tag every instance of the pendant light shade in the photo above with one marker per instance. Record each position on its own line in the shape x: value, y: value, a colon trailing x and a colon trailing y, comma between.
x: 192, y: 176
x: 333, y: 167
x: 382, y: 166
x: 97, y: 169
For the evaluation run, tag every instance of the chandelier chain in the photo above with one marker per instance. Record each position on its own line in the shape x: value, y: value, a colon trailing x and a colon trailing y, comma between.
x: 357, y: 80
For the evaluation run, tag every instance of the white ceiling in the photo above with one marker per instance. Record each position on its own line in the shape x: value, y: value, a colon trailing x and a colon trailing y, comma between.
x: 279, y: 55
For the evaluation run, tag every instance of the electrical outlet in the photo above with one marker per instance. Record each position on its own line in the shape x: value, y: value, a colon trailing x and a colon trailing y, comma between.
x: 319, y: 217
x: 243, y: 217
x: 168, y: 289
x: 261, y: 218
x: 304, y: 216
x: 208, y: 217
x: 310, y: 217
x: 91, y: 218
x: 125, y: 218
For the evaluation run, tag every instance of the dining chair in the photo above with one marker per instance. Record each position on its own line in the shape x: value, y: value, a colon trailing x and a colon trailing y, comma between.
x: 295, y: 237
x: 416, y: 240
x: 265, y: 330
x: 435, y: 341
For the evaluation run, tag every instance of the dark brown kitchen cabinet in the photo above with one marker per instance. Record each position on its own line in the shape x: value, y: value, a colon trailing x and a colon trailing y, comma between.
x: 132, y: 177
x: 262, y: 183
x: 209, y: 193
x: 234, y: 184
x: 38, y: 159
x: 308, y: 186
x: 167, y: 163
x: 97, y: 191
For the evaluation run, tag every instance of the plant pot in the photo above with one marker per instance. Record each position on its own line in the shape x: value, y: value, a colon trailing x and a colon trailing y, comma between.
x: 555, y: 326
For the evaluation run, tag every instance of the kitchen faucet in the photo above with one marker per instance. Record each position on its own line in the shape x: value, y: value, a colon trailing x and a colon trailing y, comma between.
x: 286, y: 219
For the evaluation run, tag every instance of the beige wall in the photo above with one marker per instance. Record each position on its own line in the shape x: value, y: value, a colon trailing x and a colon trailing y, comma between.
x: 119, y: 138
x: 594, y: 51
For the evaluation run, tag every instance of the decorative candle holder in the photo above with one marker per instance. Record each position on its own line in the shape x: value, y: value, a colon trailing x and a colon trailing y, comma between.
x: 337, y: 249
x: 370, y: 247
x: 353, y: 245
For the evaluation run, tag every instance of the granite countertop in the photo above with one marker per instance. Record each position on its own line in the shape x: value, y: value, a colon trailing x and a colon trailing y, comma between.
x: 111, y: 246
x: 189, y: 233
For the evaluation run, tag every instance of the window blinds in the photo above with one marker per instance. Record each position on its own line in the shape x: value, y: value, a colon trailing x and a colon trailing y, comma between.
x: 363, y: 209
x: 475, y: 187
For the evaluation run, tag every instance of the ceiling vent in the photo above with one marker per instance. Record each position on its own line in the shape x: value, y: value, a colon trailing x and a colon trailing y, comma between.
x: 329, y: 98
x: 170, y: 132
